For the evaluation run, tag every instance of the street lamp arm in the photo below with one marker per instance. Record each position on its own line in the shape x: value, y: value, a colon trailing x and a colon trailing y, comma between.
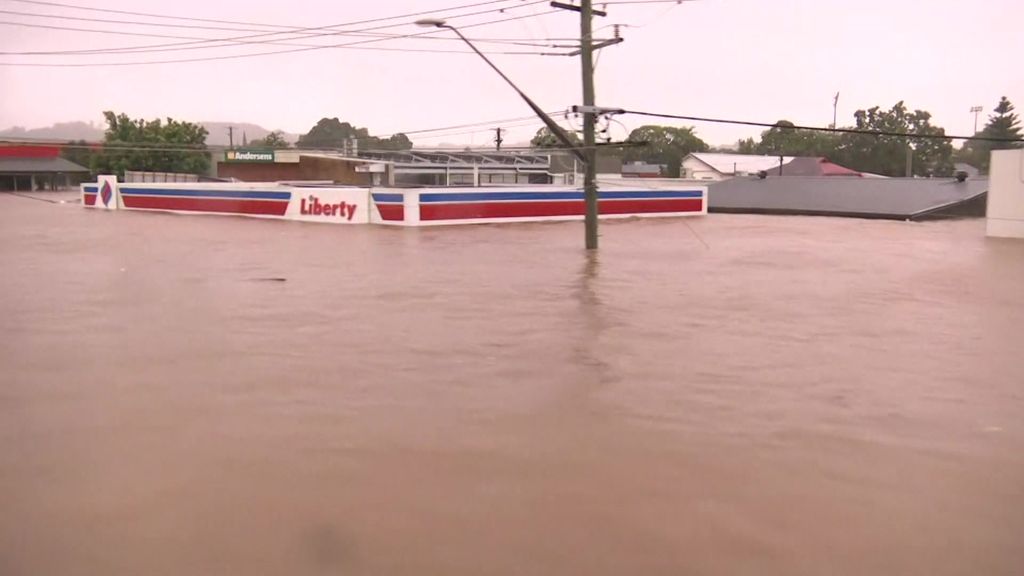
x: 555, y: 129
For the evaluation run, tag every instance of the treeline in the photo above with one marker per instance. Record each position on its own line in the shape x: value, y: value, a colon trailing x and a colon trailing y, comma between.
x: 170, y: 145
x: 931, y: 154
x: 174, y: 146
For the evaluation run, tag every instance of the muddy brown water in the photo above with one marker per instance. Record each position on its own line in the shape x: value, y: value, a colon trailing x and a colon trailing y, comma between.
x: 216, y: 395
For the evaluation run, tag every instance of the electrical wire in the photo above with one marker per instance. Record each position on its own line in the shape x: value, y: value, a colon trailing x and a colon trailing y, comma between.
x: 296, y: 33
x: 129, y: 50
x: 469, y: 125
x: 382, y: 38
x: 819, y: 128
x: 275, y: 52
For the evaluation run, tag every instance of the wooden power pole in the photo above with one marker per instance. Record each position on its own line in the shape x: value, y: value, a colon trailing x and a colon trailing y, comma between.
x: 589, y: 121
x: 587, y: 12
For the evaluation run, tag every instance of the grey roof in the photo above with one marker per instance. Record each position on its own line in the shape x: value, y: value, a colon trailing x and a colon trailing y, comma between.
x: 895, y: 198
x: 442, y: 158
x: 641, y: 168
x: 38, y: 166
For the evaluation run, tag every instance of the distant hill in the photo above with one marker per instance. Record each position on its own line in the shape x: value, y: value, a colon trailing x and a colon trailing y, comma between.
x: 59, y: 131
x: 92, y: 132
x: 219, y: 133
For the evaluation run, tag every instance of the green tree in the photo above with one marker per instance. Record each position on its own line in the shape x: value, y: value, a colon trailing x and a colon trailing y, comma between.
x: 1004, y: 124
x: 79, y: 152
x: 151, y: 145
x: 887, y: 155
x: 394, y: 142
x: 784, y: 139
x: 273, y: 140
x: 331, y: 133
x: 663, y: 145
x: 747, y: 146
x: 543, y: 138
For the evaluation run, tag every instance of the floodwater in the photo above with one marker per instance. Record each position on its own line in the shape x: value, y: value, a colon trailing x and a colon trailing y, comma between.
x: 725, y: 395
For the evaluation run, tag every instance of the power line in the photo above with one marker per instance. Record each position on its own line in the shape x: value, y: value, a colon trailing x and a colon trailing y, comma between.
x: 130, y: 50
x: 150, y: 15
x: 274, y: 52
x: 819, y: 128
x: 96, y: 52
x: 307, y: 32
x: 469, y: 125
x: 311, y: 46
x: 522, y: 124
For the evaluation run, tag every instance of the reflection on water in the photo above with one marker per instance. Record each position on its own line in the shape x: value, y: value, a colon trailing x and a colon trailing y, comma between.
x: 755, y: 396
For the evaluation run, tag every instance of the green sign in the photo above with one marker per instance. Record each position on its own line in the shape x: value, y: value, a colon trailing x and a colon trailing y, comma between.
x: 249, y: 156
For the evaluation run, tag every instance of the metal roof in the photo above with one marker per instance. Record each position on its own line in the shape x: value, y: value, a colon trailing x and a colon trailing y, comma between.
x: 738, y: 163
x: 894, y: 198
x: 440, y: 158
x: 38, y: 166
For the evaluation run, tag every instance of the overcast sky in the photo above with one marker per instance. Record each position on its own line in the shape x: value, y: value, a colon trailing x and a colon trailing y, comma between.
x: 745, y: 59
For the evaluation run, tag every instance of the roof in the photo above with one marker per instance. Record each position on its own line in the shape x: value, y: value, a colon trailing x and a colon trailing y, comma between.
x: 893, y: 198
x: 815, y: 166
x: 29, y: 151
x: 38, y: 166
x: 443, y: 158
x: 638, y: 168
x: 336, y: 156
x: 738, y: 163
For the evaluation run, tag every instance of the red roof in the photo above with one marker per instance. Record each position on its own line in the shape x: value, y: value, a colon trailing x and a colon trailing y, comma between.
x: 829, y: 168
x: 814, y: 166
x: 29, y: 151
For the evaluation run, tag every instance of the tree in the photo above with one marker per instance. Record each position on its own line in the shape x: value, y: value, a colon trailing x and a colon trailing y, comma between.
x: 394, y: 142
x: 784, y: 139
x: 79, y: 152
x: 887, y: 155
x: 663, y: 145
x: 332, y: 133
x: 543, y: 138
x: 1004, y: 124
x: 152, y: 146
x: 747, y: 146
x: 273, y: 140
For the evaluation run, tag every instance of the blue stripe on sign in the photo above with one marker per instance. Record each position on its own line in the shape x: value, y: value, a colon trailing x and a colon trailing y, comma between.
x: 92, y: 189
x: 389, y: 197
x: 502, y: 196
x: 249, y: 194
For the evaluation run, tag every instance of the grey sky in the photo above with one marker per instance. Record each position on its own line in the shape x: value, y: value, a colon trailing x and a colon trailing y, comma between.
x: 746, y: 59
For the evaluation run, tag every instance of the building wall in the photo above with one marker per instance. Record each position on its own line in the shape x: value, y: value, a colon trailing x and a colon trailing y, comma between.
x: 258, y: 171
x: 333, y: 169
x: 693, y: 169
x: 1006, y: 194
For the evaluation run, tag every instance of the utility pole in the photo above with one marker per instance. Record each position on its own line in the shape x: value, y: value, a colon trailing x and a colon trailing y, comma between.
x: 497, y: 138
x: 589, y: 121
x: 231, y: 137
x: 910, y: 161
x: 976, y: 110
x: 586, y: 154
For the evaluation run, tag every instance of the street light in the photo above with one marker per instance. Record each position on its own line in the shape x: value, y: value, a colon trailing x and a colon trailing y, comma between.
x: 548, y: 121
x: 976, y: 110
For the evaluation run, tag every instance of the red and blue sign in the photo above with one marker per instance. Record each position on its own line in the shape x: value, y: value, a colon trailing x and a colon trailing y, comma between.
x: 224, y: 201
